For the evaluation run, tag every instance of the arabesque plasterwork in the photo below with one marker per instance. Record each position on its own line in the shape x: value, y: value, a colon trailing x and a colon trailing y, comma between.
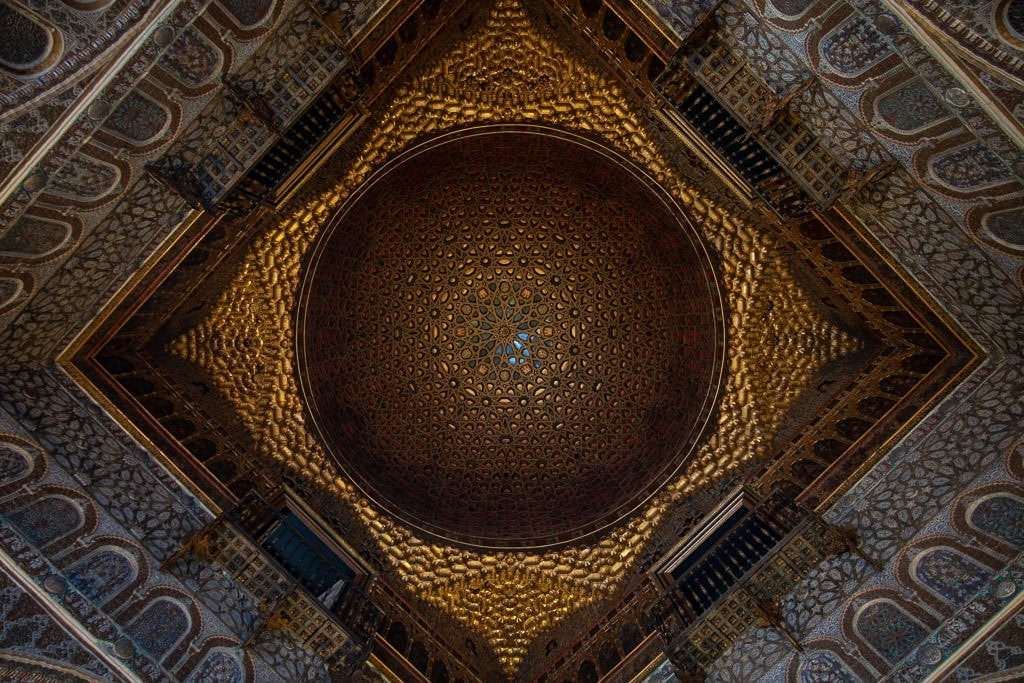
x: 508, y: 69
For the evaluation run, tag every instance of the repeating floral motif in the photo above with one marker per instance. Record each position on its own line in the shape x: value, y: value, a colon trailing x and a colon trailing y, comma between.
x: 838, y: 129
x: 289, y: 660
x: 20, y: 133
x: 911, y: 106
x: 80, y: 608
x: 1002, y: 517
x: 85, y: 178
x: 961, y: 626
x: 103, y: 261
x: 1003, y: 652
x: 497, y: 333
x: 47, y: 519
x: 971, y: 166
x: 897, y: 501
x: 889, y: 630
x: 680, y: 15
x: 13, y: 465
x: 64, y: 150
x: 822, y: 592
x: 762, y: 49
x: 137, y: 118
x: 825, y: 667
x: 86, y: 37
x: 31, y: 236
x: 220, y: 594
x: 918, y: 60
x: 100, y: 575
x: 115, y: 471
x: 854, y: 46
x: 60, y: 150
x: 97, y: 577
x: 218, y: 667
x: 951, y: 575
x: 160, y: 626
x: 932, y: 247
x: 120, y: 476
x: 510, y: 582
x: 194, y: 144
x: 750, y: 657
x: 26, y: 629
x: 1007, y: 226
x: 972, y: 297
x: 192, y: 58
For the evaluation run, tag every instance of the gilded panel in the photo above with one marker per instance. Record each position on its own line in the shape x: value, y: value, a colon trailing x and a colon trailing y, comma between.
x: 508, y: 69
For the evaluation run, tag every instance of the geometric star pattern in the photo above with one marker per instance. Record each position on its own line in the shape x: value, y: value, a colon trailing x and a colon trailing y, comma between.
x: 530, y: 77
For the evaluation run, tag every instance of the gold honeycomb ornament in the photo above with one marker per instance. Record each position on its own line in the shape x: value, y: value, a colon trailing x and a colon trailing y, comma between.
x: 506, y: 69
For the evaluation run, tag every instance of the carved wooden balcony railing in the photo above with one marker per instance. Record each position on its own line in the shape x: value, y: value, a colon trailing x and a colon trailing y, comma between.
x: 338, y: 625
x: 737, y: 578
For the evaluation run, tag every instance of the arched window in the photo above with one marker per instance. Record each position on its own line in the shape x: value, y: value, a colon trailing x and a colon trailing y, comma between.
x: 87, y: 5
x: 102, y: 574
x: 27, y: 46
x: 608, y: 656
x: 193, y: 59
x: 854, y: 46
x: 439, y: 673
x: 47, y: 519
x: 219, y: 666
x: 889, y: 630
x: 159, y: 627
x: 587, y: 673
x: 34, y: 236
x: 911, y: 106
x: 418, y: 656
x: 1006, y: 226
x: 85, y: 179
x: 138, y: 118
x: 631, y: 636
x: 792, y: 8
x: 1013, y: 17
x: 953, y: 576
x: 822, y: 667
x: 398, y: 637
x: 14, y: 464
x: 1000, y: 516
x: 247, y: 13
x: 14, y: 287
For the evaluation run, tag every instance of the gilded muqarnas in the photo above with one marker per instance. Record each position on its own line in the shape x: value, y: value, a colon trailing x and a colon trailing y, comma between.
x: 507, y: 69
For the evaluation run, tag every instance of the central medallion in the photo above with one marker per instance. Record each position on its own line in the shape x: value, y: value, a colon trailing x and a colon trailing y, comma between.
x: 510, y: 337
x: 500, y: 324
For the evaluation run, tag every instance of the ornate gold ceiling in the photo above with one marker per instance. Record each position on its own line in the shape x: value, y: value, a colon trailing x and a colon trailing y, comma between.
x: 509, y: 337
x: 509, y: 69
